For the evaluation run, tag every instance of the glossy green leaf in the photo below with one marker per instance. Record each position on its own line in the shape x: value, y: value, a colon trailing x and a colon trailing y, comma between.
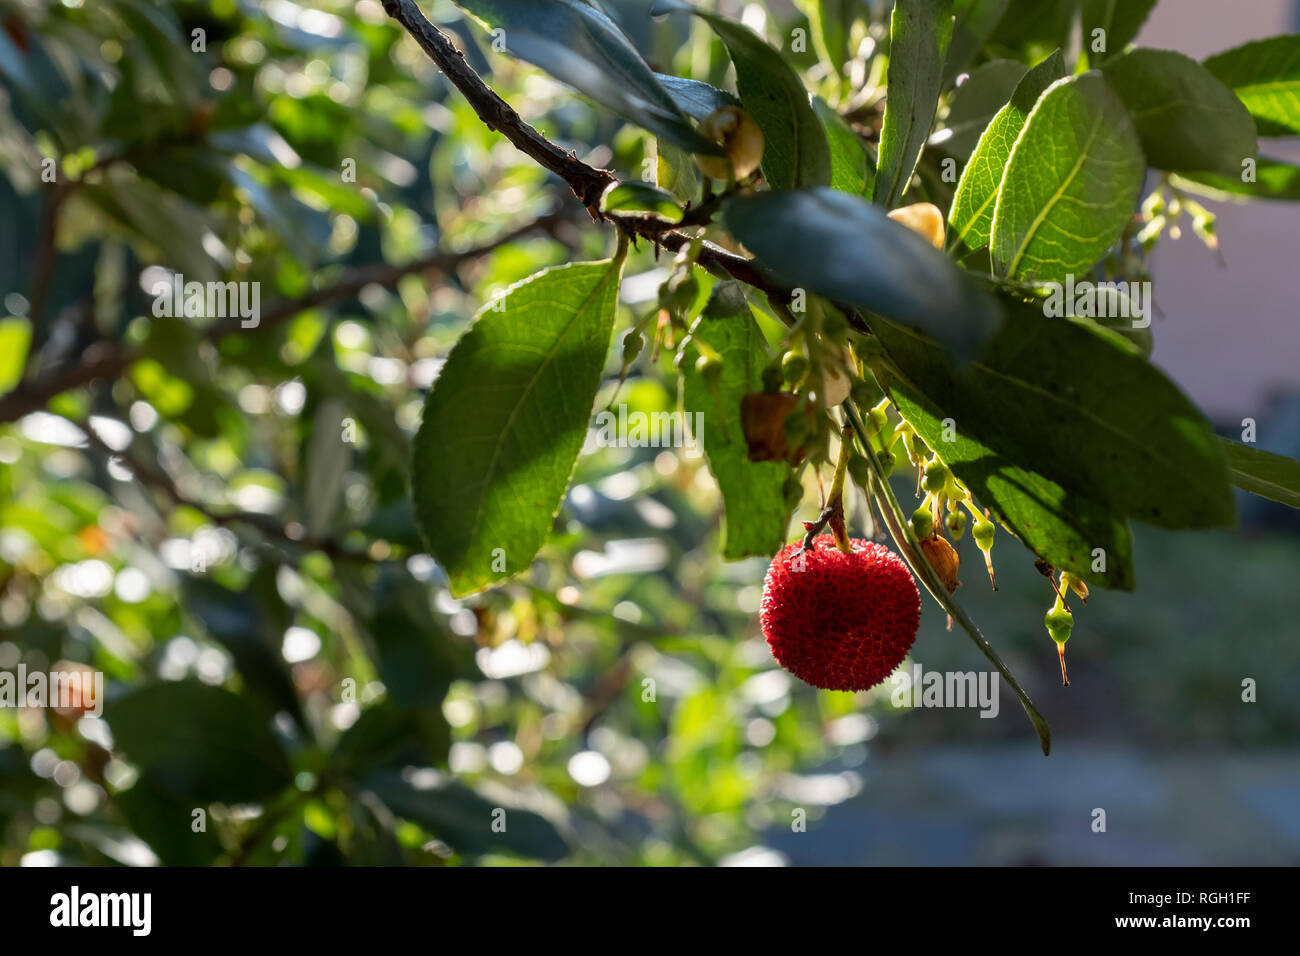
x: 506, y: 419
x: 1082, y: 407
x: 1070, y: 184
x: 752, y: 492
x: 1263, y: 473
x: 830, y: 21
x: 975, y: 103
x: 579, y: 45
x: 634, y: 197
x: 851, y: 168
x: 212, y: 746
x: 847, y: 249
x: 15, y: 338
x: 1265, y: 75
x: 1186, y: 119
x: 971, y: 217
x: 795, y: 152
x: 918, y: 42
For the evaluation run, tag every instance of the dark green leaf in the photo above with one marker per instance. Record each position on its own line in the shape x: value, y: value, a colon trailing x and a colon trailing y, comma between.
x: 848, y: 250
x: 1061, y: 526
x: 1262, y: 473
x: 695, y: 98
x: 506, y: 419
x: 752, y: 492
x: 199, y: 742
x: 246, y: 625
x: 975, y: 103
x: 1082, y: 407
x: 412, y: 645
x: 918, y: 42
x: 830, y: 22
x: 1070, y: 185
x: 327, y: 461
x: 465, y: 820
x: 1186, y: 119
x: 973, y: 23
x: 795, y: 152
x: 1265, y: 75
x: 1119, y: 19
x: 675, y: 171
x: 971, y: 218
x: 166, y: 822
x: 578, y: 44
x: 851, y: 168
x: 389, y: 736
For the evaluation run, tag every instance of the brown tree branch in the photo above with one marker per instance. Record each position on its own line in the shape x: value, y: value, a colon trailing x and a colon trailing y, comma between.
x: 107, y: 360
x: 587, y: 182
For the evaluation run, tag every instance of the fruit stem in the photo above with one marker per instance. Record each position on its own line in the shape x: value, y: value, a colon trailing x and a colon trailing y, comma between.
x: 836, y: 503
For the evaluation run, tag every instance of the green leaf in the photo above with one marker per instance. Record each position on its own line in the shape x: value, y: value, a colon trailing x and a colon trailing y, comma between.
x: 506, y: 419
x: 830, y: 22
x: 165, y: 821
x: 973, y: 23
x: 634, y: 197
x: 1081, y: 406
x: 1120, y: 19
x: 971, y: 217
x: 795, y: 152
x: 1274, y: 179
x: 465, y: 820
x: 386, y: 735
x: 695, y: 98
x: 918, y: 42
x: 15, y: 339
x: 1186, y: 119
x: 752, y: 491
x: 327, y: 463
x: 851, y: 168
x: 1265, y: 75
x: 1262, y: 473
x: 975, y: 103
x: 848, y: 250
x: 675, y: 171
x: 199, y: 742
x: 1059, y: 525
x: 247, y: 626
x: 579, y: 45
x: 1070, y: 185
x: 412, y: 647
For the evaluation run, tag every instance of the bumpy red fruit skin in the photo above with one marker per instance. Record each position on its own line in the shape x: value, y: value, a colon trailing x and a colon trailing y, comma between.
x: 845, y: 621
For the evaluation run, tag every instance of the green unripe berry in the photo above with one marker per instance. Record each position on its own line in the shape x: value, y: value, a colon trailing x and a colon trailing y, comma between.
x: 887, y: 461
x: 793, y: 367
x: 772, y: 378
x: 983, y: 533
x: 633, y: 343
x: 678, y: 294
x: 936, y: 477
x: 710, y: 366
x: 923, y: 522
x: 956, y: 524
x: 1059, y: 622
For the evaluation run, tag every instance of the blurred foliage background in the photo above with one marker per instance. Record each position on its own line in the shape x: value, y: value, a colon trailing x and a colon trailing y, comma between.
x: 287, y: 679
